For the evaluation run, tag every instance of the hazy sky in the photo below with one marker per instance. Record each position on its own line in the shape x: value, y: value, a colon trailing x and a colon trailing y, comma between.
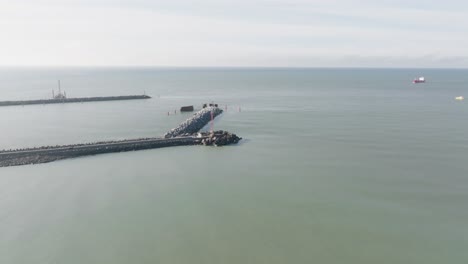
x: 298, y: 33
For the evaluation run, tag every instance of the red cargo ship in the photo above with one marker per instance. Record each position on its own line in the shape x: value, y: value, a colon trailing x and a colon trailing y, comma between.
x: 419, y: 80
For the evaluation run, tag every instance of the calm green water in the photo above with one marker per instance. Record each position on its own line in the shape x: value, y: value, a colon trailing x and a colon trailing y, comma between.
x: 337, y: 166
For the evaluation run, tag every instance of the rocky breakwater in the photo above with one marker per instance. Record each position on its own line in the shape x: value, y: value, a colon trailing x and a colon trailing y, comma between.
x: 52, y: 153
x: 184, y: 135
x: 219, y: 138
x: 195, y: 123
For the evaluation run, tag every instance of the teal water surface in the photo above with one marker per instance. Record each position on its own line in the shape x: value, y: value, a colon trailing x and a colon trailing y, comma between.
x: 337, y: 166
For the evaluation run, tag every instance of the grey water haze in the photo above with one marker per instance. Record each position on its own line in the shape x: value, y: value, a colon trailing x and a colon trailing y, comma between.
x: 336, y: 166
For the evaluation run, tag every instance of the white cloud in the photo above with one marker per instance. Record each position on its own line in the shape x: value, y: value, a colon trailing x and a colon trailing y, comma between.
x: 284, y: 33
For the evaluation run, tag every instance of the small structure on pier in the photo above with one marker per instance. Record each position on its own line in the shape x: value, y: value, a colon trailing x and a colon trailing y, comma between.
x: 60, y: 95
x: 188, y: 108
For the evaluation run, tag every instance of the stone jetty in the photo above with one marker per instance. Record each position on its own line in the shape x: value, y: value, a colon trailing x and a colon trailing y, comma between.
x: 195, y: 123
x: 49, y: 154
x: 74, y: 100
x: 184, y: 135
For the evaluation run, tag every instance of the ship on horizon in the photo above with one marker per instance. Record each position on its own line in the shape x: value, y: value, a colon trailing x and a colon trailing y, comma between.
x: 419, y: 80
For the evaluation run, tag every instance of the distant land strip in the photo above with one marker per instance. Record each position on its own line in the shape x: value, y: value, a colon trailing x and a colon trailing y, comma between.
x: 74, y: 100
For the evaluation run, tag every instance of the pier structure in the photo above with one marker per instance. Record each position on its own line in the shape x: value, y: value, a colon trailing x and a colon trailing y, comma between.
x: 184, y: 135
x: 61, y: 98
x: 60, y: 95
x: 49, y: 154
x: 195, y: 123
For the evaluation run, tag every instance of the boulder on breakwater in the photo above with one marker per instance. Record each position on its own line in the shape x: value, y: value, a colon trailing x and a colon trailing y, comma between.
x: 219, y: 138
x: 194, y: 123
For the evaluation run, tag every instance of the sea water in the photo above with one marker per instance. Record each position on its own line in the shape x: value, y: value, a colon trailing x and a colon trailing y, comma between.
x: 336, y: 166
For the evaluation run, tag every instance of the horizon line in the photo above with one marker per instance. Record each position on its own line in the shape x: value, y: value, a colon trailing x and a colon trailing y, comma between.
x: 228, y: 67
